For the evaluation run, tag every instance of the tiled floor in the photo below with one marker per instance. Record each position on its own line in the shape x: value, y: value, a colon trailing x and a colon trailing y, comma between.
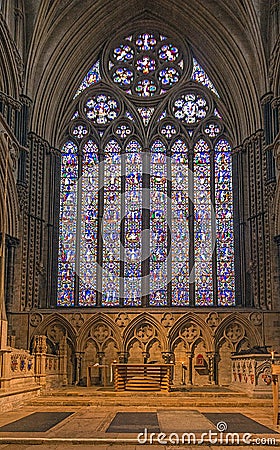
x: 87, y: 427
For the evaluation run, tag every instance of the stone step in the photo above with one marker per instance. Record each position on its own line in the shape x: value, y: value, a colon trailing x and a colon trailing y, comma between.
x: 151, y: 401
x: 93, y: 392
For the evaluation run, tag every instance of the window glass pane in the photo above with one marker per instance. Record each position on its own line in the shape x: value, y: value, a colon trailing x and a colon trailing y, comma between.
x: 89, y: 222
x: 224, y: 223
x: 67, y: 225
x: 180, y: 225
x: 202, y: 225
x: 111, y: 225
x: 158, y: 225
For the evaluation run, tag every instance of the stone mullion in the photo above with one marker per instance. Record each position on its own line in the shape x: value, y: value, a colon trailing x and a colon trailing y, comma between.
x: 261, y: 170
x: 34, y: 223
x: 252, y: 221
x: 239, y: 225
x: 25, y: 228
x: 40, y: 222
x: 49, y: 230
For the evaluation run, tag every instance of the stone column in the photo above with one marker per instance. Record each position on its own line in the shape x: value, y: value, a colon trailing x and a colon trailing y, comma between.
x: 40, y: 351
x: 78, y: 356
x: 211, y: 366
x: 190, y: 358
x: 11, y: 246
x: 168, y: 358
x: 123, y: 357
x: 102, y: 379
x: 63, y: 361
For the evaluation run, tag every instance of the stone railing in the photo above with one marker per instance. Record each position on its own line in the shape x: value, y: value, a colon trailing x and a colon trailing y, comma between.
x: 18, y: 369
x: 50, y: 370
x: 24, y: 375
x: 252, y: 374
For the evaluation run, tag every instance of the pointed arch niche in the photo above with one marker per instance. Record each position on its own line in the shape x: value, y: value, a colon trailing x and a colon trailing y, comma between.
x: 146, y: 199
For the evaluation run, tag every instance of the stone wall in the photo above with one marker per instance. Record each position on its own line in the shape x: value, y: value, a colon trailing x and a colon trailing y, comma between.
x: 201, y: 341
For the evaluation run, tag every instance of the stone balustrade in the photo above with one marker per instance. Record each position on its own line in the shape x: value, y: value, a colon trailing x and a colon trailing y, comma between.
x: 252, y: 374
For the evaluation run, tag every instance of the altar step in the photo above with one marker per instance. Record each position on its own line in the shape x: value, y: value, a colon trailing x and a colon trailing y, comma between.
x: 92, y: 397
x: 142, y: 384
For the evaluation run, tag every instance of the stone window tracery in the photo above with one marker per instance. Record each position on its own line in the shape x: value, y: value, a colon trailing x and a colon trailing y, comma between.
x: 146, y: 202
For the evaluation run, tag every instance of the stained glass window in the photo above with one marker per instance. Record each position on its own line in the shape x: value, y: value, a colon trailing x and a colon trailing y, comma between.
x: 180, y: 224
x: 146, y: 198
x: 67, y: 224
x: 158, y: 227
x: 88, y: 231
x: 111, y: 225
x: 203, y: 233
x: 133, y: 224
x: 224, y: 223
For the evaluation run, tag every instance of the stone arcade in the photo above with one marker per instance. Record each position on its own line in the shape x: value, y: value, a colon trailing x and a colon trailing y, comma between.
x: 103, y: 84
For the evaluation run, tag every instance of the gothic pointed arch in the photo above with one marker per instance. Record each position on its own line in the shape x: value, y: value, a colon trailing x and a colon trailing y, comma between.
x: 147, y: 174
x: 192, y: 328
x: 102, y: 329
x: 55, y: 326
x: 145, y: 328
x: 236, y: 328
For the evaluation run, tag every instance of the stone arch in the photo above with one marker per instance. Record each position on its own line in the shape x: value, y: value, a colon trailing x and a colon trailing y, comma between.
x: 99, y: 342
x: 11, y: 66
x: 234, y: 333
x: 8, y: 157
x: 247, y: 329
x: 99, y: 318
x: 59, y: 320
x: 225, y: 56
x: 57, y: 329
x: 174, y: 333
x: 145, y: 331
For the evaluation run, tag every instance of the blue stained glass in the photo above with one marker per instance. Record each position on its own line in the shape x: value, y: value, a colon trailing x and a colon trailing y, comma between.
x: 190, y: 108
x: 145, y: 87
x: 180, y: 228
x: 89, y: 215
x: 168, y: 53
x: 202, y: 226
x: 123, y: 76
x: 92, y: 77
x: 67, y: 228
x: 200, y: 76
x: 123, y: 53
x: 102, y: 109
x: 133, y: 224
x: 158, y: 232
x: 224, y: 220
x: 111, y: 225
x: 145, y: 42
x: 168, y: 76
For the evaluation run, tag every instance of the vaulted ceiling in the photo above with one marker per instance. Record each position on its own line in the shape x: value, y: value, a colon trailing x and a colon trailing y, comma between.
x: 68, y: 35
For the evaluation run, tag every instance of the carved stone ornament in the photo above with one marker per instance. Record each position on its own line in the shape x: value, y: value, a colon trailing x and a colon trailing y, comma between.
x: 35, y: 319
x: 55, y: 333
x: 100, y: 332
x: 167, y: 320
x: 145, y: 332
x: 190, y: 332
x: 234, y: 332
x: 122, y: 320
x: 77, y: 320
x: 213, y: 320
x: 256, y: 318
